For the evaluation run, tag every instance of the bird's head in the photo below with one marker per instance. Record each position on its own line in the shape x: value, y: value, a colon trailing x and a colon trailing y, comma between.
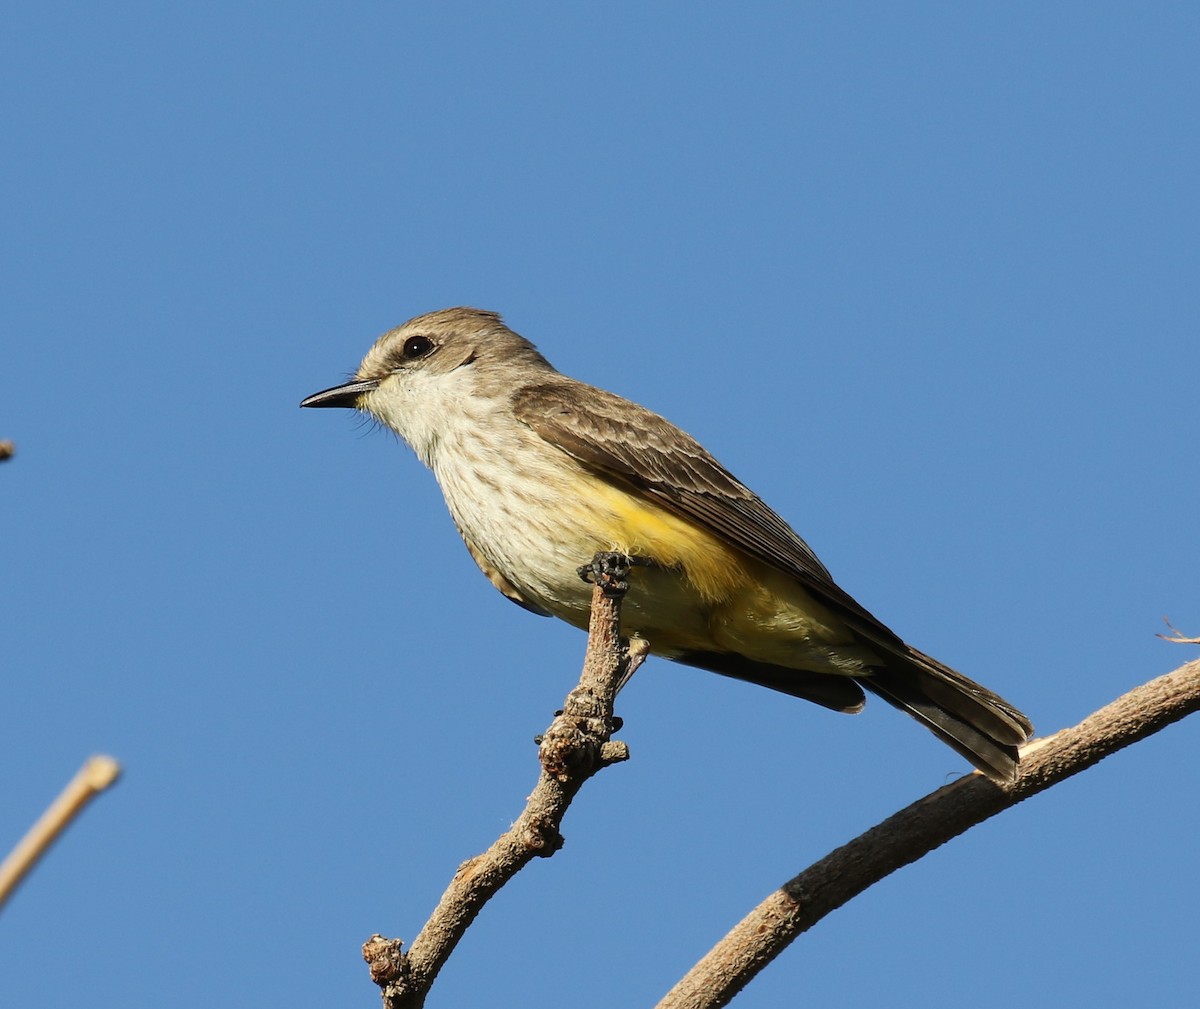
x: 422, y: 375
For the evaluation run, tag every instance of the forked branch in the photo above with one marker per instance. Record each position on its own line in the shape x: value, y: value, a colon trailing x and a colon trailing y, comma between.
x: 578, y: 744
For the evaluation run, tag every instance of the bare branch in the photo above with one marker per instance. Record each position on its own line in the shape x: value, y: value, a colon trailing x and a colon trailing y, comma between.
x: 578, y: 744
x: 925, y: 825
x: 575, y: 747
x: 97, y: 774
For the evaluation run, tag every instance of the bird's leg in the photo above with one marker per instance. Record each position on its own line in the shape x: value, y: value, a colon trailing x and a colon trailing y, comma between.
x: 610, y: 570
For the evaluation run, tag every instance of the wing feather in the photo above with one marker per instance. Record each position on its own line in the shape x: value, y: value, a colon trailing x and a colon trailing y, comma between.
x: 625, y: 442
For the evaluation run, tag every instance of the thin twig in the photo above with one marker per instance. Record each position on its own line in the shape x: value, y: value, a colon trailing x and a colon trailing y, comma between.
x: 1177, y: 636
x: 914, y: 832
x: 97, y: 774
x: 575, y: 747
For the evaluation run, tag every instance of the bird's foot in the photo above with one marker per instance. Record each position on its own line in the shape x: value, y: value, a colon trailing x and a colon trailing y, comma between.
x: 610, y: 570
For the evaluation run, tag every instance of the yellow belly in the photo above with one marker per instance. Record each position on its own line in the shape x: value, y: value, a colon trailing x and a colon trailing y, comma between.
x: 638, y: 528
x: 703, y: 594
x: 531, y: 530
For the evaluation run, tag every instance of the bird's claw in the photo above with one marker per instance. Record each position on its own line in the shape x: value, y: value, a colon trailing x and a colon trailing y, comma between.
x: 610, y: 570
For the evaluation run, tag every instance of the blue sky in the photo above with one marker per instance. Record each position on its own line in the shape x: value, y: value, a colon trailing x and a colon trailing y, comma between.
x: 924, y: 276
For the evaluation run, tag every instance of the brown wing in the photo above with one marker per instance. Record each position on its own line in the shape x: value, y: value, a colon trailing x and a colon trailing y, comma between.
x: 623, y: 441
x: 627, y: 443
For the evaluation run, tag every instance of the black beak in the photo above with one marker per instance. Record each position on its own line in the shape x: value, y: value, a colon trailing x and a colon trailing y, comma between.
x: 342, y: 395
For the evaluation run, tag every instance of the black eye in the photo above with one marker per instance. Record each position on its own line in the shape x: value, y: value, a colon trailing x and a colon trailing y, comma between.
x: 416, y: 346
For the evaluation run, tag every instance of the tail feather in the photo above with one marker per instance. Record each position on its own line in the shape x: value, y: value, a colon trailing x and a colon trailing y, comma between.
x: 978, y: 724
x: 981, y: 726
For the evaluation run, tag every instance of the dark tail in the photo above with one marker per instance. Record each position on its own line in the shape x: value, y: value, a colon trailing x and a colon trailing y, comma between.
x: 980, y: 725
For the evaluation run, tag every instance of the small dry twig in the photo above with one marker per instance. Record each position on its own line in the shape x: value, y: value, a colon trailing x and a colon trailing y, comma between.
x: 575, y: 747
x: 1177, y: 636
x: 97, y: 774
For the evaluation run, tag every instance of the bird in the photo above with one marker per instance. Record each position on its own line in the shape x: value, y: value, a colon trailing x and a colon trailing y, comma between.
x: 540, y: 472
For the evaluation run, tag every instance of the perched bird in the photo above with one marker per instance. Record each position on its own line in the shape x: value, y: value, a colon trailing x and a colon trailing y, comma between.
x: 540, y: 472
